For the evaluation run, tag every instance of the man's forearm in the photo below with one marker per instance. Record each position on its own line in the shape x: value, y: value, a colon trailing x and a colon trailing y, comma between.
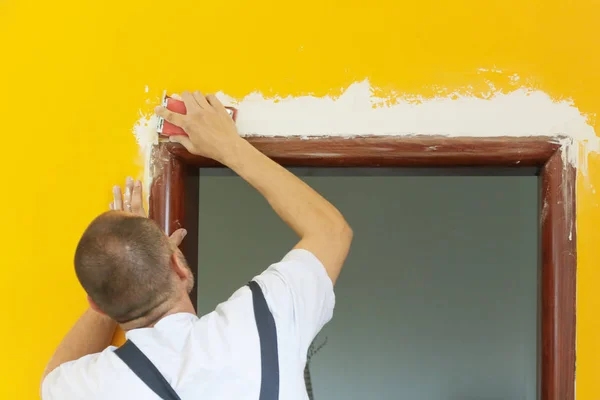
x: 92, y: 333
x: 303, y: 209
x: 211, y: 133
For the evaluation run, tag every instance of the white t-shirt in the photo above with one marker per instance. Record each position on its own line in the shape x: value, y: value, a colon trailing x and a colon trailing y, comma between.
x: 216, y: 356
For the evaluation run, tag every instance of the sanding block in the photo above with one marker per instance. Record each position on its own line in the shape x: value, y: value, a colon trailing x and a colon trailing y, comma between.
x: 165, y: 128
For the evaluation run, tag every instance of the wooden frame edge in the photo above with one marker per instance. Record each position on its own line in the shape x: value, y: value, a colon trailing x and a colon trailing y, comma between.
x: 173, y: 202
x: 175, y: 190
x: 559, y: 267
x: 393, y: 151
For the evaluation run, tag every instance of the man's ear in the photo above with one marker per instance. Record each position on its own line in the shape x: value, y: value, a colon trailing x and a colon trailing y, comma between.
x: 94, y: 306
x: 179, y: 266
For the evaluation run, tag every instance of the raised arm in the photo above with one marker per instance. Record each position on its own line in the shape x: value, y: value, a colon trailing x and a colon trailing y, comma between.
x: 322, y: 229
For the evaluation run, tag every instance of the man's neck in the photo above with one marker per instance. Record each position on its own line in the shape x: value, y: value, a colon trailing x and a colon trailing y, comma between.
x: 183, y: 305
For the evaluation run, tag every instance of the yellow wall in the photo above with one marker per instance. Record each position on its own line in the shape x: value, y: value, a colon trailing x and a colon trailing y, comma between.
x: 72, y: 81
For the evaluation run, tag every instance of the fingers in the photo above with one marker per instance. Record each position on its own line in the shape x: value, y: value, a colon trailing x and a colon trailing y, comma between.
x: 137, y: 202
x: 184, y: 140
x: 172, y: 117
x: 128, y: 193
x: 132, y: 201
x: 177, y: 237
x: 117, y: 198
x: 190, y: 101
x: 200, y: 99
x: 215, y: 102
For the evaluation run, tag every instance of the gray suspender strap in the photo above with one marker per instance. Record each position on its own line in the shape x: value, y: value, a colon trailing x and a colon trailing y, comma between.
x: 137, y: 361
x: 267, y: 333
x: 146, y: 371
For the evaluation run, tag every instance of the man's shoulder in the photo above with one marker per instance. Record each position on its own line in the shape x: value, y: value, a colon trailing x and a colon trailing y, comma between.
x: 74, y: 379
x: 298, y: 274
x: 300, y: 295
x: 228, y: 321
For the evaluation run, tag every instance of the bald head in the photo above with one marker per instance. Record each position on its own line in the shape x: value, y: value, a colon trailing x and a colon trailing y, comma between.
x: 123, y: 263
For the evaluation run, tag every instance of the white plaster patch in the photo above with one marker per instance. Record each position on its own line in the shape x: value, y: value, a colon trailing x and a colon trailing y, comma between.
x: 146, y: 137
x: 357, y: 112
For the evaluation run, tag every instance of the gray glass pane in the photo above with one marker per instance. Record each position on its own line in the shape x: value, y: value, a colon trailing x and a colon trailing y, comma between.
x: 438, y: 299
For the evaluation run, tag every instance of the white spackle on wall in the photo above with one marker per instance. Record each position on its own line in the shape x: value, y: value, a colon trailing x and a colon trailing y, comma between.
x: 357, y: 112
x: 146, y: 137
x: 522, y: 112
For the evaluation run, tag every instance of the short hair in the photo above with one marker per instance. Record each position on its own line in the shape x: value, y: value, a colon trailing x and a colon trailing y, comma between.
x: 123, y: 263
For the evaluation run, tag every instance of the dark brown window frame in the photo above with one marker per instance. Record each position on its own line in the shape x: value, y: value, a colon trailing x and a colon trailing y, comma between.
x: 174, y: 199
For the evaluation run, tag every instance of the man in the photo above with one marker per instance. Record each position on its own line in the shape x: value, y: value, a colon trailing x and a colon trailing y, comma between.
x: 137, y: 278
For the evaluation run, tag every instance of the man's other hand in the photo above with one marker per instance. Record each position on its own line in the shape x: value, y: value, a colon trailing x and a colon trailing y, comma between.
x: 133, y: 202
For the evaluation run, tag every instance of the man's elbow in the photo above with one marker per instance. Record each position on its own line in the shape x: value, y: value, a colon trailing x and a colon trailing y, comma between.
x: 347, y: 234
x: 334, y: 233
x: 342, y: 233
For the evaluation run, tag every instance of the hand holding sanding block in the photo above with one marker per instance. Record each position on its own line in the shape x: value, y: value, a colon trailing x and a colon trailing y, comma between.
x: 165, y: 128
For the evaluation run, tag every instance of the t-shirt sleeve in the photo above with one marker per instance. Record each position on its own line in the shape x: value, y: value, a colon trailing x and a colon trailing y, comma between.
x: 299, y: 294
x: 72, y: 380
